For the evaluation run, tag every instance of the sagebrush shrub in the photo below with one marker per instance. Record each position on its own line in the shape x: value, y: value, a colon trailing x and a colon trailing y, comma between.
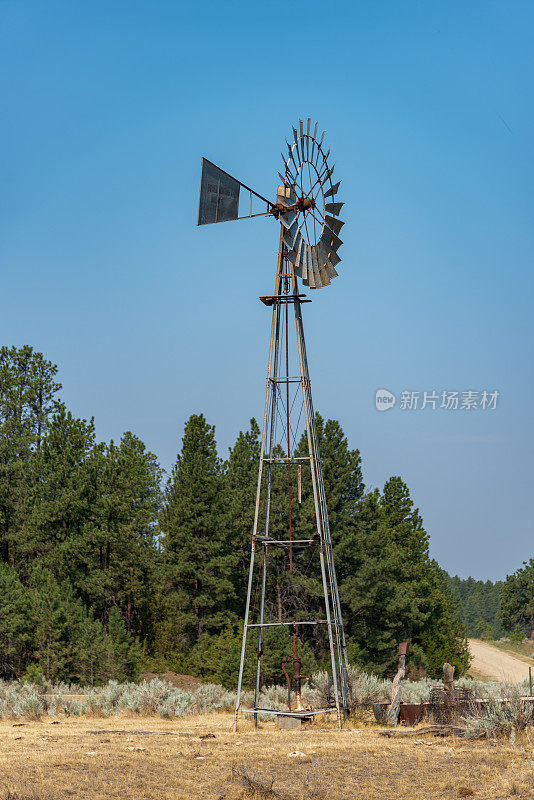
x: 499, y: 718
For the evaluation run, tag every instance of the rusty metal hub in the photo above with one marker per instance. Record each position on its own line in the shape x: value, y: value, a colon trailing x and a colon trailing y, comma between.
x: 305, y: 203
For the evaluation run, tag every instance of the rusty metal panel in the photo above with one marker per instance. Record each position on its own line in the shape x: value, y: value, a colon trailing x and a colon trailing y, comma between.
x: 219, y: 195
x: 411, y: 713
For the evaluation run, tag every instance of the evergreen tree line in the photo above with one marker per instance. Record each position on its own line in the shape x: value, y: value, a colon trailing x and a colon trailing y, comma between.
x: 480, y: 605
x: 106, y: 567
x: 495, y: 610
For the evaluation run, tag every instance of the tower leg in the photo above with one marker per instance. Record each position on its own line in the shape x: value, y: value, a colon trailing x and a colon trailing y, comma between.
x: 270, y: 390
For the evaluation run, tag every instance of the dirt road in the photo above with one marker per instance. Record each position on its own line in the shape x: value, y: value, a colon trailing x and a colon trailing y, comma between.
x: 493, y: 663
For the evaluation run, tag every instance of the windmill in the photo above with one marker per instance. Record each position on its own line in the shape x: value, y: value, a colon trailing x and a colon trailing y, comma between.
x: 308, y: 209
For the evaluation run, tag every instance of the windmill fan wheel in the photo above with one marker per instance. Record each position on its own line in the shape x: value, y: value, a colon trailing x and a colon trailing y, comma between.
x: 312, y: 224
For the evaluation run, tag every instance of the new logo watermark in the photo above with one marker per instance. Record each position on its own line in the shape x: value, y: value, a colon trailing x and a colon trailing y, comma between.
x: 470, y: 400
x: 384, y: 400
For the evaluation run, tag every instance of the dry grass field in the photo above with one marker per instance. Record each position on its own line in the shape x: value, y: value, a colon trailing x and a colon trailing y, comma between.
x: 144, y: 758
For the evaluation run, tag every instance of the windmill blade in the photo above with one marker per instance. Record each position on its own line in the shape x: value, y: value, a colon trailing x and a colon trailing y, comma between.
x: 331, y: 270
x: 333, y: 242
x: 289, y: 173
x: 329, y: 240
x: 333, y: 190
x: 324, y: 248
x: 311, y: 273
x: 333, y: 258
x: 292, y: 158
x: 325, y: 278
x: 297, y: 263
x: 334, y: 208
x: 314, y: 142
x: 290, y: 238
x: 297, y: 246
x: 333, y: 223
x: 305, y: 273
x: 305, y: 263
x: 302, y: 139
x: 288, y: 218
x: 316, y: 269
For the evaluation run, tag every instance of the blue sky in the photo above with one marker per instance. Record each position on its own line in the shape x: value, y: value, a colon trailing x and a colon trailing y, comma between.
x: 107, y: 109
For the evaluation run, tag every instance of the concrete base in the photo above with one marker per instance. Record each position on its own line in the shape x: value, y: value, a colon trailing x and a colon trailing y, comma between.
x: 289, y: 723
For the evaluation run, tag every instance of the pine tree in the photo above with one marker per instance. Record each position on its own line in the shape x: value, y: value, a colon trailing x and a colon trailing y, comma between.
x: 27, y: 401
x: 342, y: 477
x: 517, y: 598
x: 59, y: 497
x: 90, y: 649
x: 198, y: 592
x: 241, y: 481
x: 123, y: 651
x: 51, y: 636
x: 113, y: 555
x: 391, y: 589
x: 17, y: 629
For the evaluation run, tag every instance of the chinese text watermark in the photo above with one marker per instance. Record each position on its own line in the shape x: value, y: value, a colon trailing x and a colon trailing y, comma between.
x: 469, y: 400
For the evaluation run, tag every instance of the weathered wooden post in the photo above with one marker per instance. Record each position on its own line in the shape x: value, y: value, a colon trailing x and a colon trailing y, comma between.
x: 392, y: 715
x: 448, y: 682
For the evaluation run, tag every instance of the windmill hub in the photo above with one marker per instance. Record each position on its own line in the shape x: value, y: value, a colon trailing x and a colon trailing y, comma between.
x: 305, y: 203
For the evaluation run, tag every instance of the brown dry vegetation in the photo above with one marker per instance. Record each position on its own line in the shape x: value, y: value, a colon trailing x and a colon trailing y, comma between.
x: 47, y: 761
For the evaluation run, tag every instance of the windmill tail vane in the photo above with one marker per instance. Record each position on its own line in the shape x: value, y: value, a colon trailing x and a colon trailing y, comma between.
x: 294, y: 541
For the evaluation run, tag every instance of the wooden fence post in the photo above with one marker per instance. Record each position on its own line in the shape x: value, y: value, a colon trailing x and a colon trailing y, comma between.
x: 392, y: 715
x: 448, y: 682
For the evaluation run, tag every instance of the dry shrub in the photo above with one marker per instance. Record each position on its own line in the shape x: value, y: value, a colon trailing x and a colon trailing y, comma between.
x: 500, y: 719
x: 316, y: 782
x: 254, y: 784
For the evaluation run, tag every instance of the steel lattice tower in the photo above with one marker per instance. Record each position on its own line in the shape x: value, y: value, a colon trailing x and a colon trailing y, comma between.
x: 310, y: 224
